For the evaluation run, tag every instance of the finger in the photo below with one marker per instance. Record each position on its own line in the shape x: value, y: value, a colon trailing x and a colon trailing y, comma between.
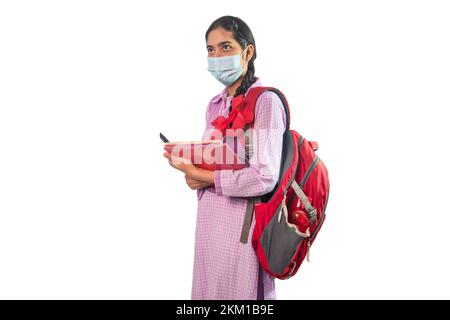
x: 201, y: 184
x: 195, y: 186
x: 180, y: 160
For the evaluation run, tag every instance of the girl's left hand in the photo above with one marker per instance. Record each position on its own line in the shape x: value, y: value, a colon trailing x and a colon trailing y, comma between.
x: 195, y: 184
x: 181, y: 164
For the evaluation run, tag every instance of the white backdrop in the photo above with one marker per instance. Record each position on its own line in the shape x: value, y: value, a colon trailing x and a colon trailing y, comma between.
x: 90, y: 209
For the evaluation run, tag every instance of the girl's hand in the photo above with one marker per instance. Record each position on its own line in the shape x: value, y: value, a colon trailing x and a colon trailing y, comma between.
x: 181, y: 164
x: 195, y: 184
x: 196, y: 178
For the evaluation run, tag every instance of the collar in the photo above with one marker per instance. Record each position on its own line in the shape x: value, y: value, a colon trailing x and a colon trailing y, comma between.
x: 223, y: 95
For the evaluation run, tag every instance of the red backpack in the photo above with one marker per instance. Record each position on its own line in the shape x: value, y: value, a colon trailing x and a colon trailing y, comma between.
x: 288, y: 218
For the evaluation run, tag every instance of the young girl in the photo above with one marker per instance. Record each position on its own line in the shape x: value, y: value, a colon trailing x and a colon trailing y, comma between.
x: 224, y: 267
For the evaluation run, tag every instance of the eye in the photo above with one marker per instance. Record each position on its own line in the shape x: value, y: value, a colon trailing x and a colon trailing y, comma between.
x: 210, y: 50
x: 226, y: 47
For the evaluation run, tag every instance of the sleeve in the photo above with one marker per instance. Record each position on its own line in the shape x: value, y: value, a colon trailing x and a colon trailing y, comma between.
x: 262, y: 174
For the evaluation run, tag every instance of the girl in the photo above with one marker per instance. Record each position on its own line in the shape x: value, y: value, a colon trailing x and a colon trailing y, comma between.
x: 225, y: 268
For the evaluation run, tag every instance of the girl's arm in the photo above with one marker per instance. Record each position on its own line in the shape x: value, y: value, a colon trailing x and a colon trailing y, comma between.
x: 260, y: 177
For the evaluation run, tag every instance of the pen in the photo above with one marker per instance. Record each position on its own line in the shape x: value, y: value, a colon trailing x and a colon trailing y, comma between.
x: 163, y: 138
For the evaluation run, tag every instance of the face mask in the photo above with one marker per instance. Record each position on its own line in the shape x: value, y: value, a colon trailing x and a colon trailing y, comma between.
x: 226, y: 69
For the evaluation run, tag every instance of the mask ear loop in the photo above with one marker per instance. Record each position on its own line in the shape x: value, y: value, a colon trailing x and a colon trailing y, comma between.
x: 244, y: 51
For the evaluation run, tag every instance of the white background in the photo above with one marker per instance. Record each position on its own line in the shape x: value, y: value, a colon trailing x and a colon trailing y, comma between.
x: 90, y: 209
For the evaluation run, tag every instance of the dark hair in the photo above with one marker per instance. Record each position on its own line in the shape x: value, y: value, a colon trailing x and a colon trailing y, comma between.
x: 244, y: 36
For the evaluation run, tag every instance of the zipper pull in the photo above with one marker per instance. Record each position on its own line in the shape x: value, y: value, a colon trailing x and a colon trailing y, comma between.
x: 308, y: 246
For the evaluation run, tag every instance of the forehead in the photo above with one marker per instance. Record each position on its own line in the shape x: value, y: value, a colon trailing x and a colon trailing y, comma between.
x: 216, y: 36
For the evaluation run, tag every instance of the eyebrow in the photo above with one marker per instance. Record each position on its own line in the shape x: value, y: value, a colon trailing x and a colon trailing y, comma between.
x: 221, y: 43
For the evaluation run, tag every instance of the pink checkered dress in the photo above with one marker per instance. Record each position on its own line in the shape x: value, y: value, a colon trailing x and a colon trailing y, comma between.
x: 225, y: 268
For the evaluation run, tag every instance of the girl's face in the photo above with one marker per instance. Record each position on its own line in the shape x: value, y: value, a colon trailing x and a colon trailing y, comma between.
x: 221, y: 43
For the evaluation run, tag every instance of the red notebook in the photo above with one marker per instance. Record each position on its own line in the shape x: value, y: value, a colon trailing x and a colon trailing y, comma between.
x: 208, y: 154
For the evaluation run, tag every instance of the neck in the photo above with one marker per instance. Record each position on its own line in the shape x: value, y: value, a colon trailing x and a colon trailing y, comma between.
x: 232, y: 88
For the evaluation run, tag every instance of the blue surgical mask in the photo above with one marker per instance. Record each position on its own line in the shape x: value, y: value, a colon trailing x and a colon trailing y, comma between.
x: 226, y: 69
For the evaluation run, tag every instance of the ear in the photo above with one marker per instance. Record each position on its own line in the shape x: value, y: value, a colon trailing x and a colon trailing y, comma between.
x: 249, y: 52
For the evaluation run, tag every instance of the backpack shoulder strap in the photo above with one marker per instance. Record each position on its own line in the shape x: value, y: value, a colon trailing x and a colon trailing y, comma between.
x: 249, y: 103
